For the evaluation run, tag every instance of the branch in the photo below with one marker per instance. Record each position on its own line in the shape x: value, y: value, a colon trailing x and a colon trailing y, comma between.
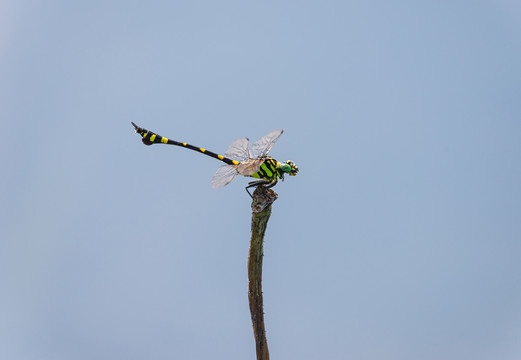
x: 261, y: 211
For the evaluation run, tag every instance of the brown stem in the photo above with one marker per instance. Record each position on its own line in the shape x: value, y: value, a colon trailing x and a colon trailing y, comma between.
x: 261, y: 211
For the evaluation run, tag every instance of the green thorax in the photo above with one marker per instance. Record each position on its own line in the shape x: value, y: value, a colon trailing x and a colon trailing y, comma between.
x: 269, y: 170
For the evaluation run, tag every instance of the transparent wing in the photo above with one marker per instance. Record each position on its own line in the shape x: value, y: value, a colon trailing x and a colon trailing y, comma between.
x: 239, y: 150
x: 249, y: 167
x: 263, y: 146
x: 223, y: 176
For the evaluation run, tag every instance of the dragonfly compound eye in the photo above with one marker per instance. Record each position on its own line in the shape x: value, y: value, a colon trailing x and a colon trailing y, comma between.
x: 294, y: 168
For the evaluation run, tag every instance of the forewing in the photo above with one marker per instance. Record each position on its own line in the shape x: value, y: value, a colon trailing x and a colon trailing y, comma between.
x: 239, y: 150
x: 223, y: 176
x: 263, y: 146
x: 249, y: 167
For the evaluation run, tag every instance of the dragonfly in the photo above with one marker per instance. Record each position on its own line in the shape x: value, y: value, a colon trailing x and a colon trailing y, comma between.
x: 240, y: 159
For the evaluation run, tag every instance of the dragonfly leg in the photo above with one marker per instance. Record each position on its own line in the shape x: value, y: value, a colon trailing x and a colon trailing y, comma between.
x: 271, y: 184
x: 268, y: 184
x: 253, y: 184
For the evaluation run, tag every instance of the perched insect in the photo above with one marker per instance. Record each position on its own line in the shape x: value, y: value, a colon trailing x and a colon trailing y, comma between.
x: 239, y: 159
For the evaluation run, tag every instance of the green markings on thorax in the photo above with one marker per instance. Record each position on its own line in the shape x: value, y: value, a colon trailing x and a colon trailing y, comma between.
x: 268, y: 170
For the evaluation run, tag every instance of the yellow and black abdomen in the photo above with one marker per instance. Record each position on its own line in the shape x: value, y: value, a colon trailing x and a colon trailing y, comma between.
x: 150, y: 138
x: 269, y: 170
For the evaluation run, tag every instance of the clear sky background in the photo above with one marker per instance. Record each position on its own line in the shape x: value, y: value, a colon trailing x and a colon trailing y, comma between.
x: 399, y: 239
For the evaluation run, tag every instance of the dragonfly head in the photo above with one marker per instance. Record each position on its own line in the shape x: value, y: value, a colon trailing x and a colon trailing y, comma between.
x: 289, y: 167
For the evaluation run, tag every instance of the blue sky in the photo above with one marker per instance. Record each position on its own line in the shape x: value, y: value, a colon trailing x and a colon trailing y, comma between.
x: 399, y: 239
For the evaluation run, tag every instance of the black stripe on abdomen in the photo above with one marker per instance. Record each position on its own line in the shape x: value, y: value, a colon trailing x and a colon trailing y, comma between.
x: 150, y: 138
